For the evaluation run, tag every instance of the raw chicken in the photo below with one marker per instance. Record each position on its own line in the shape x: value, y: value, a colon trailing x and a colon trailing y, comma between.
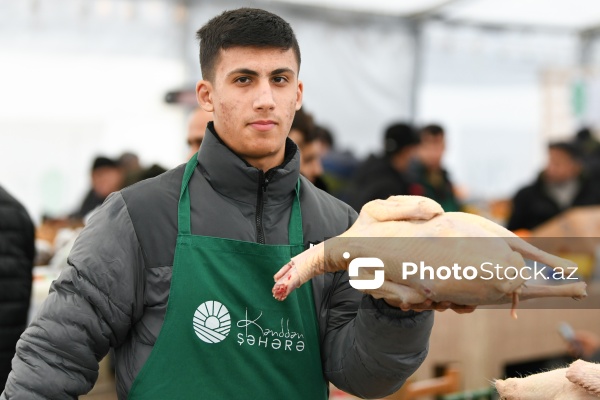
x: 580, y: 381
x: 435, y: 238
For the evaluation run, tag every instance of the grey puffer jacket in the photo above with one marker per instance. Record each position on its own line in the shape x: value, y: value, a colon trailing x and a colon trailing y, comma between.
x: 115, y: 292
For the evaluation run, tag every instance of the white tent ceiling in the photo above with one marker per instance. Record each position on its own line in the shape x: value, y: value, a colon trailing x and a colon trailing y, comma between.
x: 562, y: 14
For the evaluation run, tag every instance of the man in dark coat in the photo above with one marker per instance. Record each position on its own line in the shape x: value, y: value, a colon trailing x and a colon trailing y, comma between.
x: 561, y: 185
x: 16, y: 262
x: 380, y: 177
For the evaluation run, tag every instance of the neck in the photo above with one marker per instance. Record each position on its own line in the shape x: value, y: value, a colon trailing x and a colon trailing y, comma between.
x: 266, y: 163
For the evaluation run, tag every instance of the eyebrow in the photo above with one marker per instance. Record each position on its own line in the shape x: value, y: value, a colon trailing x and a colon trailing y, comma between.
x: 280, y: 71
x: 246, y: 71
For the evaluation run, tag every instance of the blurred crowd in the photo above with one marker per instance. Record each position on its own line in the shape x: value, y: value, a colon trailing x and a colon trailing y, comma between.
x: 56, y: 234
x: 410, y: 162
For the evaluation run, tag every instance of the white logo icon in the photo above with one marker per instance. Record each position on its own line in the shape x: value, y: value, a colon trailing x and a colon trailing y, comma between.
x: 212, y: 322
x: 365, y: 262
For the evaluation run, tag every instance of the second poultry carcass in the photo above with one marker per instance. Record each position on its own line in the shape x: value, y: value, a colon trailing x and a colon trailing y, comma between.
x: 579, y: 381
x: 437, y: 239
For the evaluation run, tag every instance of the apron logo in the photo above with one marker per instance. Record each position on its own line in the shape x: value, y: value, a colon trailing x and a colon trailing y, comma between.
x: 212, y: 322
x: 281, y: 337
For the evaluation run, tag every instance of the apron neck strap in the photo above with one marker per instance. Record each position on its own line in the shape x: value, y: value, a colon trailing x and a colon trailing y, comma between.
x: 295, y: 232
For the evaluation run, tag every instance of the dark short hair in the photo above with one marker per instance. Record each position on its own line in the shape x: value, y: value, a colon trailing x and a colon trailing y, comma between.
x: 325, y: 135
x: 102, y: 162
x: 566, y: 147
x: 303, y: 122
x: 399, y: 136
x: 246, y: 27
x: 432, y: 129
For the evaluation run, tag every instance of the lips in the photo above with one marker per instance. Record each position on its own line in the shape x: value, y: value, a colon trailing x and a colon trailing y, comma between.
x: 263, y: 125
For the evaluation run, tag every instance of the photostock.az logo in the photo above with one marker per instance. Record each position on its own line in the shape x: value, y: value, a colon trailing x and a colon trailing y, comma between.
x: 365, y: 262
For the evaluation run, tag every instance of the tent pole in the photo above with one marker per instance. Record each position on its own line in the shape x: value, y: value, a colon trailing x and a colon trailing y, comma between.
x: 416, y: 30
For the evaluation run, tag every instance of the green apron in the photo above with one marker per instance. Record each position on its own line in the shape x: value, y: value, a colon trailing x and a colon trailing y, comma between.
x: 224, y: 335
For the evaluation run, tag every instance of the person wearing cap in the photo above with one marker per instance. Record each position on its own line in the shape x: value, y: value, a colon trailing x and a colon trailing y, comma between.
x: 561, y: 185
x: 382, y: 176
x: 107, y: 177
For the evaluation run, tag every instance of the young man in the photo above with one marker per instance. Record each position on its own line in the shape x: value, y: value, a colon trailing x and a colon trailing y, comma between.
x: 207, y: 237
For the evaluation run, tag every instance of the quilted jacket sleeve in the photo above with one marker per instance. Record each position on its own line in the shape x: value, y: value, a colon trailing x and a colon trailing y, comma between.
x: 90, y: 308
x: 371, y: 353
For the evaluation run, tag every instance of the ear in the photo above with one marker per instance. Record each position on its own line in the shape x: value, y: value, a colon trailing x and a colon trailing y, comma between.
x: 299, y: 95
x: 204, y: 95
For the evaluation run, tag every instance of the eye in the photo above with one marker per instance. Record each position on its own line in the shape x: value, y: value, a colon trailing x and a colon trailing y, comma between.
x: 243, y: 80
x: 280, y: 79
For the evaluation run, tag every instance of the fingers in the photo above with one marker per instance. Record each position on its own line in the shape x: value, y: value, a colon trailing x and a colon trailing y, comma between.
x: 436, y: 306
x: 462, y: 309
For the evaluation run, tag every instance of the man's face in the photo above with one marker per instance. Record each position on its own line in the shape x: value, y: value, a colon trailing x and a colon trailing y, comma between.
x: 310, y: 162
x: 310, y: 156
x: 254, y: 96
x: 431, y: 150
x: 106, y: 180
x: 196, y: 129
x: 561, y: 167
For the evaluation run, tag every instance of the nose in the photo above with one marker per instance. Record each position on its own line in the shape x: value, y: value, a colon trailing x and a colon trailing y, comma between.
x: 264, y: 99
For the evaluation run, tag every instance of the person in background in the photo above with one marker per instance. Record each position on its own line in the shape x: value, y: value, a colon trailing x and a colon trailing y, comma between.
x: 561, y: 185
x: 338, y: 166
x: 144, y: 173
x: 17, y: 253
x: 175, y: 273
x: 589, y: 147
x: 130, y: 166
x: 380, y: 177
x: 306, y: 136
x: 196, y: 128
x: 130, y: 163
x: 107, y: 177
x: 427, y: 175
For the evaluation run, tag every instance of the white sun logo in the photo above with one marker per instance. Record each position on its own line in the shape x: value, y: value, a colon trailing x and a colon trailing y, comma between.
x: 212, y: 322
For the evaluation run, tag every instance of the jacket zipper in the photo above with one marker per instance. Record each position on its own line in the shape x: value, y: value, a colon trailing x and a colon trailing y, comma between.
x: 263, y: 182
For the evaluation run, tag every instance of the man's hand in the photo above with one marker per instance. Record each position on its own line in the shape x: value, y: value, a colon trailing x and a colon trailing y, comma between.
x: 431, y: 305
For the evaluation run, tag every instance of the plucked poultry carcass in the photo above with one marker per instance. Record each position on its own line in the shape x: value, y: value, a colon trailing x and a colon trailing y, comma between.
x: 580, y: 381
x: 413, y: 228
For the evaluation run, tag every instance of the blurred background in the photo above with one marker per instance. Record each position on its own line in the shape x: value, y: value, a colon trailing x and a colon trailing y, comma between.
x: 87, y: 77
x: 90, y: 85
